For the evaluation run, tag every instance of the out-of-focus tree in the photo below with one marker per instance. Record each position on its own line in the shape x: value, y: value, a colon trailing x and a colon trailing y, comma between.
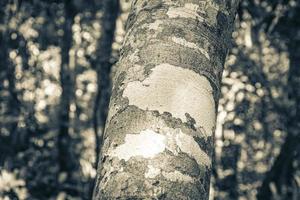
x: 44, y: 63
x: 101, y: 61
x: 67, y: 160
x: 282, y: 179
x: 257, y: 76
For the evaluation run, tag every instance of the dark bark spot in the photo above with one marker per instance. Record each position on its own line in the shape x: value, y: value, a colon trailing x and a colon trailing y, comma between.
x: 156, y: 183
x: 206, y: 144
x: 190, y: 121
x: 222, y: 21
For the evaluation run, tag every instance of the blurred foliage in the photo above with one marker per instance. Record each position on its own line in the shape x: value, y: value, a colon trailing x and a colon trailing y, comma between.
x: 258, y: 107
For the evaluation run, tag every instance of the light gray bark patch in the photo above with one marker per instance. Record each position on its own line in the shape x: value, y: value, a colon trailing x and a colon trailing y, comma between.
x: 178, y: 142
x: 177, y: 91
x: 133, y: 72
x: 152, y: 172
x: 175, y: 54
x: 146, y: 144
x: 189, y: 10
x: 134, y: 120
x: 142, y: 10
x: 191, y: 45
x: 177, y: 176
x: 155, y: 26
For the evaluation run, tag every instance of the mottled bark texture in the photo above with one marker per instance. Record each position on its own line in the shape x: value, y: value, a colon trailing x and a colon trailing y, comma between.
x: 159, y: 130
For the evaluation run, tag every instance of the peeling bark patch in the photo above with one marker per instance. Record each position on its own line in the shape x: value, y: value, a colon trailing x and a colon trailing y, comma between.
x: 152, y: 172
x: 191, y: 45
x: 177, y: 91
x: 177, y: 176
x: 146, y: 144
x: 188, y: 11
x: 134, y: 58
x: 179, y: 142
x: 155, y: 25
x: 149, y: 143
x: 188, y: 145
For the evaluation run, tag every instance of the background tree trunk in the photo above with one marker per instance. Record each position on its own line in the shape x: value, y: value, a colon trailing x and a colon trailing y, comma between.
x: 66, y: 158
x: 13, y: 104
x: 103, y: 68
x: 103, y: 65
x: 159, y: 131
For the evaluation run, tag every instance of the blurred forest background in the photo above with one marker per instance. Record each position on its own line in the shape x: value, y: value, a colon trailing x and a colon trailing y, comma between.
x: 57, y: 60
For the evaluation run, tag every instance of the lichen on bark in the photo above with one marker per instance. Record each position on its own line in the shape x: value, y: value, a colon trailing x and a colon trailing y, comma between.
x: 159, y: 130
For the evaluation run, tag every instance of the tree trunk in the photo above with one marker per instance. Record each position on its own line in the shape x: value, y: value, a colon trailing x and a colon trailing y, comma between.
x: 159, y: 130
x: 67, y: 83
x: 103, y: 68
x: 13, y: 104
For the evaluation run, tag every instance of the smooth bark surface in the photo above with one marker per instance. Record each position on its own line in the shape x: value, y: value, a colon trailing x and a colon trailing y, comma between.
x: 159, y: 131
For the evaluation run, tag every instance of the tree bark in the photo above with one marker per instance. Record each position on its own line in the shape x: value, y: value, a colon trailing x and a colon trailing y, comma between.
x: 159, y: 131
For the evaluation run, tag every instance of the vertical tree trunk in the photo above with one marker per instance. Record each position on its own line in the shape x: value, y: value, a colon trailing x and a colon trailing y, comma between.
x: 13, y: 104
x: 159, y: 130
x: 67, y: 83
x: 229, y: 160
x: 103, y: 67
